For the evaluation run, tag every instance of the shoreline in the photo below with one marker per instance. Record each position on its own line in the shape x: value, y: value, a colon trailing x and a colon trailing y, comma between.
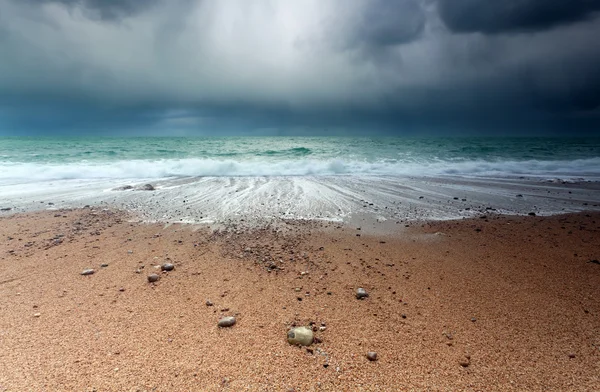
x: 378, y: 202
x: 501, y: 303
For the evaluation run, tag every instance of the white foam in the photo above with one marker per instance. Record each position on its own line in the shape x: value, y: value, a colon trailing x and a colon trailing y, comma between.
x: 137, y: 169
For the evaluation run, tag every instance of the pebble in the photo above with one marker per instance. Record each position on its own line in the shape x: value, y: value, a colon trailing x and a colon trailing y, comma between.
x: 372, y: 356
x: 209, y: 302
x: 361, y: 293
x: 225, y: 322
x: 300, y: 336
x: 153, y: 278
x: 167, y: 267
x: 37, y: 315
x: 86, y: 272
x: 104, y: 265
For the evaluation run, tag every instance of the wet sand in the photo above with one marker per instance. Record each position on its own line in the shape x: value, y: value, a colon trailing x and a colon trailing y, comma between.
x: 485, y: 304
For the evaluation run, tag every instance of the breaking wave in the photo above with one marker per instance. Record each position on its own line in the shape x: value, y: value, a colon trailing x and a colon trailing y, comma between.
x: 33, y: 172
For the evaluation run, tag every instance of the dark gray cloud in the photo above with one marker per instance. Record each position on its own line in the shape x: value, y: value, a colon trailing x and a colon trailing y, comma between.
x: 492, y: 17
x: 102, y: 9
x: 388, y: 23
x: 312, y: 66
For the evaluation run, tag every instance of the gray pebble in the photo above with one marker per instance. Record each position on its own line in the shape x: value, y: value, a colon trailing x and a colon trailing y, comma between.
x: 228, y: 321
x: 372, y: 356
x: 167, y: 267
x: 209, y: 302
x: 153, y: 278
x: 104, y: 265
x: 86, y: 272
x: 361, y: 293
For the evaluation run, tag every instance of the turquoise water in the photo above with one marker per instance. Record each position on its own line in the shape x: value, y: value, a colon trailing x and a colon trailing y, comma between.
x: 40, y: 159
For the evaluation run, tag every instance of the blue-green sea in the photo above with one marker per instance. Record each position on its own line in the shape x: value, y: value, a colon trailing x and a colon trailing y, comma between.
x: 43, y: 159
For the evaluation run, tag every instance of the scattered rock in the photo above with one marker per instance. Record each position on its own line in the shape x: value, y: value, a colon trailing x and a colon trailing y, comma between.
x: 594, y: 261
x: 152, y: 278
x: 122, y: 289
x: 103, y: 265
x: 302, y: 336
x: 372, y: 356
x: 571, y: 355
x: 123, y: 188
x: 167, y: 267
x: 361, y: 293
x: 209, y: 302
x: 531, y: 214
x: 228, y: 321
x: 37, y: 314
x: 146, y: 187
x: 88, y: 271
x: 6, y: 209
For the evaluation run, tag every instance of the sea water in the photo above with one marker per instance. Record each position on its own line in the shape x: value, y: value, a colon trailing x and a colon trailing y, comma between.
x: 43, y: 159
x: 215, y: 179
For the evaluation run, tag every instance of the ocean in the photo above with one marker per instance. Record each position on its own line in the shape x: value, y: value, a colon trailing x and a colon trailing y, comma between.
x: 42, y: 159
x: 331, y: 178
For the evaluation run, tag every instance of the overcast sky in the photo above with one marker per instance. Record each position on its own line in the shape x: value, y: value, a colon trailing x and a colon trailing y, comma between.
x: 187, y: 67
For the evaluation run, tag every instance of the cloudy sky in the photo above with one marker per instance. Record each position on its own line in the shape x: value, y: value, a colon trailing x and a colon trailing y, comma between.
x: 187, y: 67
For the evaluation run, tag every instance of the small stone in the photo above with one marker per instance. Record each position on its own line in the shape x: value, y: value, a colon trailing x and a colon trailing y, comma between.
x: 464, y: 362
x: 88, y: 271
x: 104, y: 265
x: 322, y: 328
x: 167, y: 267
x: 209, y: 302
x: 571, y: 355
x: 361, y: 293
x: 152, y: 278
x: 37, y: 315
x: 228, y: 321
x: 372, y: 356
x: 473, y: 319
x: 300, y: 336
x: 146, y: 187
x: 122, y: 289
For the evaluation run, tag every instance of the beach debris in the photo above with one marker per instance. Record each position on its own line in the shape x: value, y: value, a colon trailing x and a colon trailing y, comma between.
x: 167, y: 267
x: 152, y: 278
x: 87, y: 272
x: 466, y: 361
x: 228, y: 321
x: 361, y: 293
x: 146, y: 187
x: 372, y: 356
x: 302, y: 336
x: 209, y: 302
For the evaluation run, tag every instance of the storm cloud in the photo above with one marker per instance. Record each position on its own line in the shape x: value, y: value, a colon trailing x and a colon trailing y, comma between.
x: 319, y: 67
x: 514, y: 15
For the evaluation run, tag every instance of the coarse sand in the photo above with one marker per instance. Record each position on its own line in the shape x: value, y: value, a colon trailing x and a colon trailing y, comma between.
x: 488, y: 304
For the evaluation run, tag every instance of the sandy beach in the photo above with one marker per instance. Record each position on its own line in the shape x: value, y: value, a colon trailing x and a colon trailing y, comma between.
x: 493, y: 303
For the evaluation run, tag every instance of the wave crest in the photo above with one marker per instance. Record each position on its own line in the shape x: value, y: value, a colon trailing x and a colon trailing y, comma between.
x: 293, y: 167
